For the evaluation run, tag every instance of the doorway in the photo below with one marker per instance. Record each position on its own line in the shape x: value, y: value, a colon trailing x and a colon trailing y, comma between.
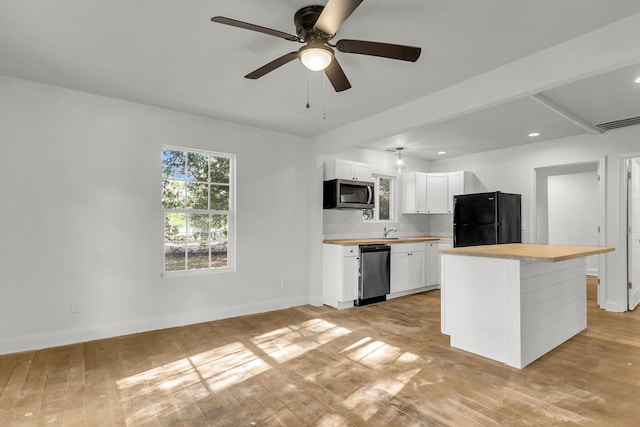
x: 632, y: 172
x: 568, y: 207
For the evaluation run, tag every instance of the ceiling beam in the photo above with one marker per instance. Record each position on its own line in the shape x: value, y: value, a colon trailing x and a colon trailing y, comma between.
x: 567, y: 115
x: 605, y: 49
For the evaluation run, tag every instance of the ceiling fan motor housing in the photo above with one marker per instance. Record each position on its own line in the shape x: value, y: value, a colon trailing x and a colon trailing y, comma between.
x: 305, y: 19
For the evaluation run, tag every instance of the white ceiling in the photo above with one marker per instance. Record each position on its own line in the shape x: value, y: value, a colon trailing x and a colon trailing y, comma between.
x: 603, y: 98
x: 168, y: 53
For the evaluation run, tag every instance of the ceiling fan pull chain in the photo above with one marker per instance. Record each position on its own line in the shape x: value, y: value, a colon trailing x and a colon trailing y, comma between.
x: 308, y: 89
x: 324, y: 96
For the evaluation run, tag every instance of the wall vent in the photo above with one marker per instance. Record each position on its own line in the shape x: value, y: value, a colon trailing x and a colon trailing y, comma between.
x: 620, y: 123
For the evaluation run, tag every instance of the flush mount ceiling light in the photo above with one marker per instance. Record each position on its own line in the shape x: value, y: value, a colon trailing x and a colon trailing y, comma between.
x: 637, y: 80
x: 400, y: 165
x: 316, y: 57
x: 534, y: 134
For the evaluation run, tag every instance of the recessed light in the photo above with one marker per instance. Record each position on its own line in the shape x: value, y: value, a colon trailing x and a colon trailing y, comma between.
x: 442, y: 152
x: 637, y: 79
x: 534, y: 134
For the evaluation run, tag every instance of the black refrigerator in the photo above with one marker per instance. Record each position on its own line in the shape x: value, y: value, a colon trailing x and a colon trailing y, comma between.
x: 486, y: 219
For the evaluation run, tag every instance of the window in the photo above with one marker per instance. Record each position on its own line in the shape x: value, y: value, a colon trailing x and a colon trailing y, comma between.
x: 384, y: 200
x: 198, y: 199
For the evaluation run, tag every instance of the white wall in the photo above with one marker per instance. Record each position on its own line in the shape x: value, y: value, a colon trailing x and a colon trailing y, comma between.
x: 511, y: 170
x: 573, y: 211
x: 81, y: 218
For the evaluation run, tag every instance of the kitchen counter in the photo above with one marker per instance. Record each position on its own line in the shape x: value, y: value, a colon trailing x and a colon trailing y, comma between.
x: 515, y: 302
x: 382, y: 241
x: 529, y: 252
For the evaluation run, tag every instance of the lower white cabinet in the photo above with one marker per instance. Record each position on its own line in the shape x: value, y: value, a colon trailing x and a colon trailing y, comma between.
x: 413, y: 266
x: 340, y: 273
x: 407, y: 266
x: 433, y: 260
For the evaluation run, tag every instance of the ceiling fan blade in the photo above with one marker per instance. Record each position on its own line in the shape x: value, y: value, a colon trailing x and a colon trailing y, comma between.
x: 337, y: 77
x: 385, y: 50
x: 253, y: 27
x: 272, y: 65
x: 334, y: 14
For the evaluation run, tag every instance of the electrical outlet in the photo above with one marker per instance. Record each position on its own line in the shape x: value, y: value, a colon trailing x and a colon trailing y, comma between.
x: 283, y: 283
x: 75, y: 307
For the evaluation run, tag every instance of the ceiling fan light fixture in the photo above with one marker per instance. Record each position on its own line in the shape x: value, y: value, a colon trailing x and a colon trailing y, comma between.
x: 316, y: 57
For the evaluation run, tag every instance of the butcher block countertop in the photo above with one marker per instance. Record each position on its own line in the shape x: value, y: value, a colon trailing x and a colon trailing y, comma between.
x: 529, y: 252
x: 381, y: 241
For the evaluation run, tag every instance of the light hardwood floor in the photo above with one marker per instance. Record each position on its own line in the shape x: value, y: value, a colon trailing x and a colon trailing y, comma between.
x: 385, y: 364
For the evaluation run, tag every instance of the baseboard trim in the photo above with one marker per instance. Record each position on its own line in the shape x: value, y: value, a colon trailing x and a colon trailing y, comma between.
x: 72, y: 336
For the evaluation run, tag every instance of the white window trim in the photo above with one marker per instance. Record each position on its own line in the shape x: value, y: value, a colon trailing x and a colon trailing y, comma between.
x: 231, y: 221
x: 393, y: 213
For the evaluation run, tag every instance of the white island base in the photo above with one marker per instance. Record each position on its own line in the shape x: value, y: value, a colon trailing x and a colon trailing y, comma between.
x: 512, y: 310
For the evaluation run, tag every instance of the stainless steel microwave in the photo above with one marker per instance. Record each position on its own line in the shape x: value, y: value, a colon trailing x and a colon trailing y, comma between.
x: 347, y: 194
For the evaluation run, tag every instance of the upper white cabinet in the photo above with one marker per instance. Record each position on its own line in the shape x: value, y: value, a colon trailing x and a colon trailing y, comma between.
x: 437, y: 192
x: 414, y: 193
x: 441, y: 187
x: 460, y: 182
x: 346, y: 169
x: 432, y: 193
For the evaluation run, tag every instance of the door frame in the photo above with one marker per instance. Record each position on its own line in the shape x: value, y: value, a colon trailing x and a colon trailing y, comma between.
x: 601, y: 164
x: 624, y: 226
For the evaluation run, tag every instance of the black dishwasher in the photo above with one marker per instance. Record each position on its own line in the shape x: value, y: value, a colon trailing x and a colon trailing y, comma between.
x: 375, y: 275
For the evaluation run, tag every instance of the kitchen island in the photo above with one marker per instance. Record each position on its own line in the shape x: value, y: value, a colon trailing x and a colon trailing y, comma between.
x: 514, y: 302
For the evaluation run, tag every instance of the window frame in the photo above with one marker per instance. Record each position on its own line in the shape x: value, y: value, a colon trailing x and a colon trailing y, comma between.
x: 393, y: 212
x: 230, y: 213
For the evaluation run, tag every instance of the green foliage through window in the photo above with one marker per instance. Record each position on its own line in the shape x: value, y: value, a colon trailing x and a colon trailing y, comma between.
x: 196, y: 198
x: 383, y: 210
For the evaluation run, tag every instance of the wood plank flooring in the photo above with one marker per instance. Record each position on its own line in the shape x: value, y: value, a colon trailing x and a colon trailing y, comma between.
x: 381, y: 365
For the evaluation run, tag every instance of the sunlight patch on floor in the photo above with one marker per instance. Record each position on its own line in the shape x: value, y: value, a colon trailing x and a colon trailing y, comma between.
x: 356, y: 344
x: 225, y: 366
x: 285, y: 344
x: 365, y: 401
x: 237, y: 374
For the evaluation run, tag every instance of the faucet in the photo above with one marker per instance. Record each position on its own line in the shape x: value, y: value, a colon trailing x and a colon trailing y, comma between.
x: 388, y: 231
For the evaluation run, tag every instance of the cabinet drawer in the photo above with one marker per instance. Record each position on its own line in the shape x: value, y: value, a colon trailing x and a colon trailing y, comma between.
x: 351, y: 251
x: 407, y: 247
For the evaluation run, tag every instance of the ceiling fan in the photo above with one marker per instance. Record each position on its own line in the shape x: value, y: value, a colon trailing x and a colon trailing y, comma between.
x: 315, y: 27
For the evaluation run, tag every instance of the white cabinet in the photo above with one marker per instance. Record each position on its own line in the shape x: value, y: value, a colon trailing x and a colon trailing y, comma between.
x: 437, y: 192
x: 433, y: 260
x: 414, y: 193
x: 340, y: 274
x: 460, y: 182
x: 346, y: 169
x: 398, y: 271
x: 441, y: 187
x: 407, y: 266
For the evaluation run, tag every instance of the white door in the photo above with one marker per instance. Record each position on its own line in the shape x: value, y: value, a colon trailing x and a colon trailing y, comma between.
x: 633, y: 203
